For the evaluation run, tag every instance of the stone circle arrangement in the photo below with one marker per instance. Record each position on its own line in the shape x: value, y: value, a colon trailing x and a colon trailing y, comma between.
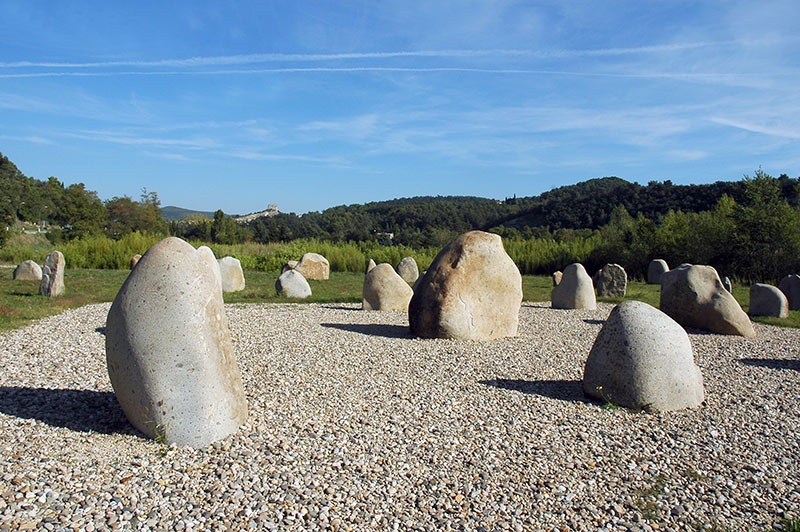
x: 175, y: 371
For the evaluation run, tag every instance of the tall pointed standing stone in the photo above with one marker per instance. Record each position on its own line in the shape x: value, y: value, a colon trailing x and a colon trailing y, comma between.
x: 52, y: 284
x: 168, y: 349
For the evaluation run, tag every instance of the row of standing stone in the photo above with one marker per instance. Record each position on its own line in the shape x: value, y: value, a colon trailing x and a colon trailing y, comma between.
x: 171, y: 362
x: 50, y: 275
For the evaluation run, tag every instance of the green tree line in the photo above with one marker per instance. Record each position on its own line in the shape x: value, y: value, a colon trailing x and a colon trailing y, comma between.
x: 748, y: 229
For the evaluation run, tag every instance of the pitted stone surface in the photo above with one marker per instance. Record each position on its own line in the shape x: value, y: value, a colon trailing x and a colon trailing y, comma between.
x: 291, y: 283
x: 314, y: 266
x: 768, y: 300
x: 407, y: 269
x: 655, y: 270
x: 472, y: 291
x: 52, y: 284
x: 693, y: 296
x: 643, y: 359
x: 168, y: 349
x: 612, y: 281
x: 575, y: 291
x: 28, y: 270
x: 230, y: 269
x: 385, y: 290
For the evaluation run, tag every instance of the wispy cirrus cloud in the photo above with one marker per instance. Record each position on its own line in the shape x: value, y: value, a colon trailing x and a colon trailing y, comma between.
x: 776, y: 131
x: 116, y: 137
x: 35, y: 139
x: 256, y: 58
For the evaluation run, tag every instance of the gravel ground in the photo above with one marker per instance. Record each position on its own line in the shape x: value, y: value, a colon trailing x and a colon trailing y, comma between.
x: 354, y: 425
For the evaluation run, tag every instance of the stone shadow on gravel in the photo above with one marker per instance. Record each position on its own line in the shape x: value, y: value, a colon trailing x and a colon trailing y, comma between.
x: 79, y: 410
x: 772, y: 363
x: 373, y: 329
x: 595, y: 322
x: 563, y: 390
x: 331, y: 307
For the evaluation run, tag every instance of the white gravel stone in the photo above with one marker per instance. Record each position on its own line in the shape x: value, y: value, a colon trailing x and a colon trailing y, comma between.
x: 354, y: 425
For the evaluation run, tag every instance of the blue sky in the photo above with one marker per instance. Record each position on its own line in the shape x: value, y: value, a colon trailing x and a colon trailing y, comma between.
x: 312, y: 104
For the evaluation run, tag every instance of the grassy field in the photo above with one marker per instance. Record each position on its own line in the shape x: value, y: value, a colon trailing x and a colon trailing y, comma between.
x: 20, y: 302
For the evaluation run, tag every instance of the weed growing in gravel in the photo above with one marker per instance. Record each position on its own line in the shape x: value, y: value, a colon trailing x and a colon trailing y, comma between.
x: 609, y: 405
x: 789, y: 525
x: 695, y: 475
x: 161, y: 439
x: 645, y: 500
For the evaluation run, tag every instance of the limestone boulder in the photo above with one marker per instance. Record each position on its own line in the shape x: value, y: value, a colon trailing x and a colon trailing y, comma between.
x: 385, y: 290
x: 575, y: 291
x: 52, y: 283
x: 230, y: 269
x: 168, y: 349
x: 472, y: 291
x: 290, y: 265
x: 291, y: 283
x: 370, y: 264
x: 768, y: 300
x: 643, y: 359
x: 28, y: 270
x: 314, y: 266
x: 557, y: 277
x: 135, y: 260
x: 612, y: 281
x: 790, y: 286
x: 408, y: 269
x: 693, y: 296
x: 655, y: 270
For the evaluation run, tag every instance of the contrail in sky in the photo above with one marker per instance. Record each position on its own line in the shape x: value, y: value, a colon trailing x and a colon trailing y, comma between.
x: 272, y: 58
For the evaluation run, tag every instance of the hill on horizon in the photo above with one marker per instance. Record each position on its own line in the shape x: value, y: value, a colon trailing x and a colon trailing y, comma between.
x: 171, y: 212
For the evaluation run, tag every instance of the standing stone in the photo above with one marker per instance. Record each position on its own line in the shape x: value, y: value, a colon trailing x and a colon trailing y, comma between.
x: 135, y: 260
x: 291, y: 283
x: 694, y: 296
x: 643, y: 359
x: 575, y: 291
x: 767, y: 300
x: 790, y: 286
x: 612, y: 281
x: 314, y: 266
x: 657, y: 268
x: 472, y: 291
x: 53, y: 275
x: 370, y: 265
x: 230, y: 269
x: 408, y: 269
x: 169, y: 351
x: 28, y: 270
x: 385, y: 290
x: 557, y: 276
x: 291, y: 265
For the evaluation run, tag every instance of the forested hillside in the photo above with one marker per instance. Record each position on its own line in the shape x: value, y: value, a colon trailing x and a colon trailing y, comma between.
x: 434, y: 221
x: 748, y: 229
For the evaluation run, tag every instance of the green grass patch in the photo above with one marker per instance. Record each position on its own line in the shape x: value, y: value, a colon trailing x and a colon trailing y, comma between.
x: 789, y: 525
x: 20, y: 302
x: 342, y: 287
